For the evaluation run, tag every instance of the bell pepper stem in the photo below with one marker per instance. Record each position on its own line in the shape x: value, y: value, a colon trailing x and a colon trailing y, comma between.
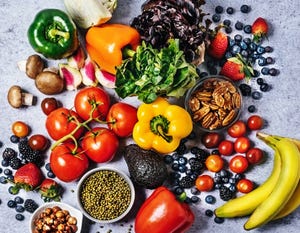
x: 53, y: 32
x: 159, y: 125
x: 127, y: 52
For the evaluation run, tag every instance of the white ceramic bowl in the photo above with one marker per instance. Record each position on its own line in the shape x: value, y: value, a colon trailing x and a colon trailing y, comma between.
x: 101, y: 169
x: 73, y: 212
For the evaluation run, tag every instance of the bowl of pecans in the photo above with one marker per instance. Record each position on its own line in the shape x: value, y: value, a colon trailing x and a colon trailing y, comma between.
x: 56, y: 217
x: 215, y: 103
x: 105, y: 194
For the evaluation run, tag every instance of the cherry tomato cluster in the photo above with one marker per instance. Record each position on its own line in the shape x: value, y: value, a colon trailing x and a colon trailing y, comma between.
x: 89, y: 132
x: 237, y: 148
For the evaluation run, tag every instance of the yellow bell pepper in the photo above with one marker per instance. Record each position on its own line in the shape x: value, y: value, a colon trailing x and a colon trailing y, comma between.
x: 161, y: 126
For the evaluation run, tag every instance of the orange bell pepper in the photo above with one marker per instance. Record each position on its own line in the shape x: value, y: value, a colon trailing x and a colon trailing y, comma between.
x: 163, y: 213
x: 104, y: 44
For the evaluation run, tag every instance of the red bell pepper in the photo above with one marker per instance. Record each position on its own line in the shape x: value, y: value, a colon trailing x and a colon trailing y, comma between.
x: 163, y: 213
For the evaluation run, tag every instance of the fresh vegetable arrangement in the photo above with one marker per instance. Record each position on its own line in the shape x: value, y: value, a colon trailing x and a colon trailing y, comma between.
x: 161, y: 55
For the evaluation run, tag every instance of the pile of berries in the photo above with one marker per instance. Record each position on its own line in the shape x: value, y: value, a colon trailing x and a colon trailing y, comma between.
x: 21, y: 206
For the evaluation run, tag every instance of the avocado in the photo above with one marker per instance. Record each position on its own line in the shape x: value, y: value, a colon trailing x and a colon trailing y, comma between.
x: 146, y: 167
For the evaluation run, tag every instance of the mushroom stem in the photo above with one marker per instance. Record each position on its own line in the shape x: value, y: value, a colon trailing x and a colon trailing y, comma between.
x: 27, y: 99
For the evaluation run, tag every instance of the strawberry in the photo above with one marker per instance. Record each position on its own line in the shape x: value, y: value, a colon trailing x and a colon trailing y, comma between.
x: 50, y: 190
x: 218, y: 45
x: 28, y: 177
x: 259, y: 29
x: 236, y: 68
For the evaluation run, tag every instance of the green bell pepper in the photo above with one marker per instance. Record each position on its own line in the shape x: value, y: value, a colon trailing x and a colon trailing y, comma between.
x: 53, y: 34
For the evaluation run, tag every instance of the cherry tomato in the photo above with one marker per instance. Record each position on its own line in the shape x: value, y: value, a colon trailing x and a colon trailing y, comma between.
x: 204, y: 183
x: 245, y: 185
x: 38, y: 142
x: 61, y: 122
x: 254, y: 155
x: 68, y: 162
x: 48, y: 105
x: 238, y: 164
x: 92, y: 101
x: 226, y: 147
x: 20, y: 129
x: 238, y: 129
x: 242, y: 144
x: 255, y: 122
x: 100, y: 144
x: 214, y: 163
x: 121, y: 119
x: 211, y: 140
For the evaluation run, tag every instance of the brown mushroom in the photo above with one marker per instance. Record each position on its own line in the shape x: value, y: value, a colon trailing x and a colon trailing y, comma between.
x: 17, y: 98
x: 49, y: 83
x: 34, y: 66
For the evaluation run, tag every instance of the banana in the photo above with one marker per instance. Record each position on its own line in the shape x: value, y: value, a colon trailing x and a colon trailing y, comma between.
x: 246, y: 204
x: 291, y: 205
x: 285, y: 186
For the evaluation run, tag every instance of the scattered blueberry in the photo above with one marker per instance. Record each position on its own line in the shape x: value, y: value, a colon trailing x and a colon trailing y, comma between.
x: 256, y: 73
x: 245, y: 89
x: 14, y: 139
x: 178, y: 190
x: 195, y: 199
x: 238, y: 38
x: 20, y: 208
x: 20, y: 217
x: 260, y: 49
x: 209, y: 213
x: 5, y: 162
x: 264, y: 87
x: 259, y: 81
x: 265, y: 70
x: 261, y: 61
x: 230, y: 10
x: 245, y: 9
x: 228, y: 29
x: 273, y: 72
x: 218, y: 220
x: 239, y: 25
x: 11, y: 204
x: 247, y: 40
x: 3, y: 180
x: 251, y: 109
x: 227, y: 22
x: 1, y: 170
x: 210, y: 199
x: 247, y: 29
x: 7, y: 171
x: 19, y: 200
x: 216, y: 18
x: 256, y: 95
x: 270, y: 60
x: 219, y: 9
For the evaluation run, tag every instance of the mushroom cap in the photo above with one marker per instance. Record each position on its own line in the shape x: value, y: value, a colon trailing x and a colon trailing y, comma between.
x: 14, y: 96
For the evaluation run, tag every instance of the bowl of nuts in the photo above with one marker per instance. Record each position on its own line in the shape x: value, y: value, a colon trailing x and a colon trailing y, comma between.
x: 56, y: 217
x: 215, y: 103
x: 105, y: 194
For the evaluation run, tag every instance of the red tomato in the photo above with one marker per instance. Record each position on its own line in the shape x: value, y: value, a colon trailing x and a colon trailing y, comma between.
x: 38, y: 142
x: 226, y: 147
x: 245, y: 185
x: 204, y: 183
x: 100, y: 144
x: 214, y: 163
x: 92, y: 101
x: 61, y: 122
x: 211, y: 140
x: 67, y: 162
x: 254, y: 155
x: 238, y: 129
x: 121, y: 119
x: 20, y: 129
x: 238, y: 164
x: 49, y: 104
x: 255, y: 122
x: 242, y: 144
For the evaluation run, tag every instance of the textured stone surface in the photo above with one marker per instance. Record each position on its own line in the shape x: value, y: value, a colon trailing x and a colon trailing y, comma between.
x: 279, y: 106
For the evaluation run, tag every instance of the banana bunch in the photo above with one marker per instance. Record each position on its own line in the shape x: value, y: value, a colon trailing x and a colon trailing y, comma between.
x: 279, y: 195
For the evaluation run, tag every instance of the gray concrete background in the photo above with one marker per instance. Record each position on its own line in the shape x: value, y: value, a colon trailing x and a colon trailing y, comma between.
x: 279, y: 107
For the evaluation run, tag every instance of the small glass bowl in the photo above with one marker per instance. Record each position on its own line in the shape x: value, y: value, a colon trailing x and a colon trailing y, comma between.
x: 101, y: 191
x: 214, y: 103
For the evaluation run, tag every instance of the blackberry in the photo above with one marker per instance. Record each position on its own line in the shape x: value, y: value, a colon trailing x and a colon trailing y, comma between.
x: 225, y: 193
x: 8, y: 153
x: 30, y: 155
x: 15, y: 163
x: 186, y: 182
x: 30, y: 205
x: 195, y: 165
x: 24, y: 147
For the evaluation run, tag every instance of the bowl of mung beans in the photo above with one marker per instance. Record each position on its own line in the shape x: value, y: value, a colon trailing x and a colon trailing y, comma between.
x: 105, y: 194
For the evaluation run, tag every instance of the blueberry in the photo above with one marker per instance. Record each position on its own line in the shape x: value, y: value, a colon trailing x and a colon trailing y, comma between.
x: 215, y: 152
x: 5, y: 163
x: 273, y: 72
x: 264, y: 87
x: 48, y: 167
x: 259, y: 81
x: 182, y: 160
x: 238, y: 176
x: 239, y: 25
x: 195, y: 191
x: 247, y: 40
x: 14, y: 139
x: 11, y: 204
x: 216, y: 18
x: 182, y: 168
x: 210, y: 199
x: 19, y: 200
x: 256, y: 95
x: 227, y: 22
x: 228, y: 29
x: 253, y: 46
x: 256, y: 73
x: 251, y: 109
x: 1, y: 170
x: 168, y: 159
x: 20, y: 217
x: 235, y: 49
x: 178, y: 190
x: 247, y: 29
x: 232, y: 188
x: 243, y: 45
x: 269, y: 60
x: 20, y: 208
x: 261, y: 61
x: 244, y: 53
x: 228, y: 54
x: 209, y: 213
x: 245, y: 89
x: 231, y: 42
x: 260, y: 49
x: 230, y: 10
x: 238, y: 38
x: 195, y: 199
x: 265, y: 70
x: 3, y: 180
x: 245, y: 9
x: 268, y: 49
x: 175, y: 166
x: 219, y: 9
x: 203, y: 74
x: 7, y: 172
